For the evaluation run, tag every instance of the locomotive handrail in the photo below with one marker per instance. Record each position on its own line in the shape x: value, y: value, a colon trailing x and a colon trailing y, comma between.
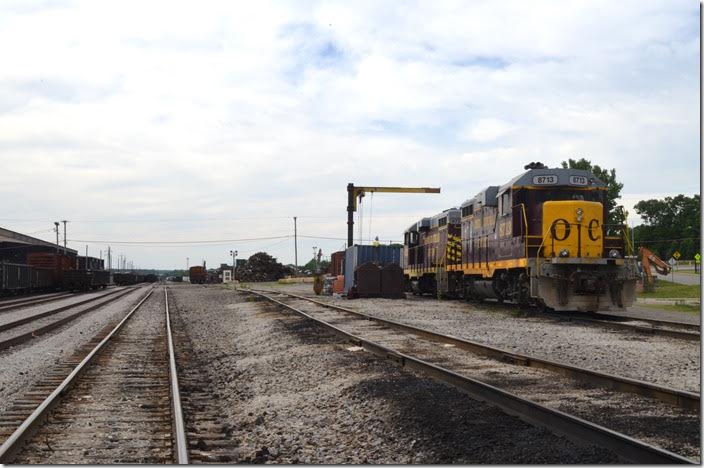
x: 537, y: 253
x: 525, y: 223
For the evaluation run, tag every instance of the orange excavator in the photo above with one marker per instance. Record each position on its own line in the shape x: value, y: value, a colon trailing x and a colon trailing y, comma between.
x: 650, y: 259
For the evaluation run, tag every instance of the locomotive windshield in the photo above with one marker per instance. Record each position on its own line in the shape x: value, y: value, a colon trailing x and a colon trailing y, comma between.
x: 540, y: 196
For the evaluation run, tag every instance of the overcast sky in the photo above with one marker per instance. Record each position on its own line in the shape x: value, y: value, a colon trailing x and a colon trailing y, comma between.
x: 216, y: 121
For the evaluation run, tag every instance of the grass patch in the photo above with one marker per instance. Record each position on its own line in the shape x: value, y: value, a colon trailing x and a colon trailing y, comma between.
x: 668, y: 289
x: 689, y: 309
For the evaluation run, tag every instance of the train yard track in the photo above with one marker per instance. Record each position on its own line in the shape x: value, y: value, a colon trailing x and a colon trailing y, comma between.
x: 671, y: 329
x: 120, y: 404
x: 14, y: 304
x: 20, y: 330
x: 209, y: 433
x: 542, y: 396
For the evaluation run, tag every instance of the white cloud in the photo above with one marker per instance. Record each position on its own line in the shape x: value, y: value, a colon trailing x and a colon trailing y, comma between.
x: 178, y: 110
x: 486, y: 130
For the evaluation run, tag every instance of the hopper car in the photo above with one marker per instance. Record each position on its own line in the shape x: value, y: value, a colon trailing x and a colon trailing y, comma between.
x: 197, y: 275
x: 51, y: 272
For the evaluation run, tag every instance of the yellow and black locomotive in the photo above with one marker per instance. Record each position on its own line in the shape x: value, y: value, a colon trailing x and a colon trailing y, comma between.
x: 538, y: 239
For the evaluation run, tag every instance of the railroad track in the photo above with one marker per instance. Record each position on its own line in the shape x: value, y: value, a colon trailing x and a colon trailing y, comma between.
x: 681, y: 330
x: 537, y: 396
x: 120, y: 404
x: 14, y: 304
x: 208, y: 430
x: 23, y: 329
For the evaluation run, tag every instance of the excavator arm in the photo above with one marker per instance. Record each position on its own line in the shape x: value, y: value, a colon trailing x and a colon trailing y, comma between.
x: 648, y: 260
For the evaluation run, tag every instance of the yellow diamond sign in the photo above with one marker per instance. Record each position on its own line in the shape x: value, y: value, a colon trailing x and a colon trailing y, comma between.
x: 697, y: 257
x: 677, y: 255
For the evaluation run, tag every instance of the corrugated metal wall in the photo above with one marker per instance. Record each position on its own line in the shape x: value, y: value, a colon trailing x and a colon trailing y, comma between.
x: 358, y: 254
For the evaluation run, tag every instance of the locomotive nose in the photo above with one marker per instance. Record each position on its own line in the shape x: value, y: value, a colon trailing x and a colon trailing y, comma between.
x: 572, y: 228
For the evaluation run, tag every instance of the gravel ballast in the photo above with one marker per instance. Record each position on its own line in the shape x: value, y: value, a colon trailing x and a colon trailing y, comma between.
x: 661, y: 360
x: 294, y: 393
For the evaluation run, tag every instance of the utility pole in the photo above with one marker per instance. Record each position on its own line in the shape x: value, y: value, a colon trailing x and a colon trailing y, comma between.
x: 56, y: 228
x: 64, y: 221
x: 295, y: 245
x: 187, y: 260
x: 234, y: 263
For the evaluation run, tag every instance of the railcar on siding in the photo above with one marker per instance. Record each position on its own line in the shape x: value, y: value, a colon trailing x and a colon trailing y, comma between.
x: 539, y: 239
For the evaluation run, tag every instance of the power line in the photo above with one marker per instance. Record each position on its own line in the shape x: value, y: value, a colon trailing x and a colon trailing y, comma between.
x: 344, y: 239
x: 219, y: 241
x: 207, y: 242
x: 169, y: 220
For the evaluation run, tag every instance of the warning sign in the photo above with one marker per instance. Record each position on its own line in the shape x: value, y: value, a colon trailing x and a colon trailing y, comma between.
x: 677, y: 255
x: 697, y: 257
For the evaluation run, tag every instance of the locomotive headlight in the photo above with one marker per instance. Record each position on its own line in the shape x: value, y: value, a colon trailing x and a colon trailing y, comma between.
x: 580, y: 214
x: 613, y: 253
x: 564, y: 253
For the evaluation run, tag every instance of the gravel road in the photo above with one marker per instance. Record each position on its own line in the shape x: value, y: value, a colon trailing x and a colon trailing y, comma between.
x: 295, y: 394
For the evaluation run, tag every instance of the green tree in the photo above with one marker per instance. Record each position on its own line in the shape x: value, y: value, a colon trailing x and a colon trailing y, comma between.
x: 670, y: 224
x: 309, y: 268
x: 616, y: 214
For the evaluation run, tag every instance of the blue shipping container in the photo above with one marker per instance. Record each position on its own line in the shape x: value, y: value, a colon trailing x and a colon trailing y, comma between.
x: 358, y: 254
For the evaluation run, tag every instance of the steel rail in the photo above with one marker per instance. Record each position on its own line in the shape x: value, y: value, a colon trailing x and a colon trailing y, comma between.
x: 680, y: 398
x: 23, y: 337
x: 32, y: 318
x: 610, y: 323
x: 177, y: 411
x: 27, y: 429
x: 556, y: 421
x: 665, y: 323
x: 11, y: 304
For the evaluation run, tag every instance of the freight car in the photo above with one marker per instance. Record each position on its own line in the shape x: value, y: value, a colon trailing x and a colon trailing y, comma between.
x: 24, y: 279
x: 125, y: 279
x: 197, y: 275
x: 538, y: 239
x: 151, y: 278
x: 83, y: 280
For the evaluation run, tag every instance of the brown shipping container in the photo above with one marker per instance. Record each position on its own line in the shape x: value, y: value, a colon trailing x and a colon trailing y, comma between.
x: 197, y: 274
x: 336, y: 260
x: 48, y: 260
